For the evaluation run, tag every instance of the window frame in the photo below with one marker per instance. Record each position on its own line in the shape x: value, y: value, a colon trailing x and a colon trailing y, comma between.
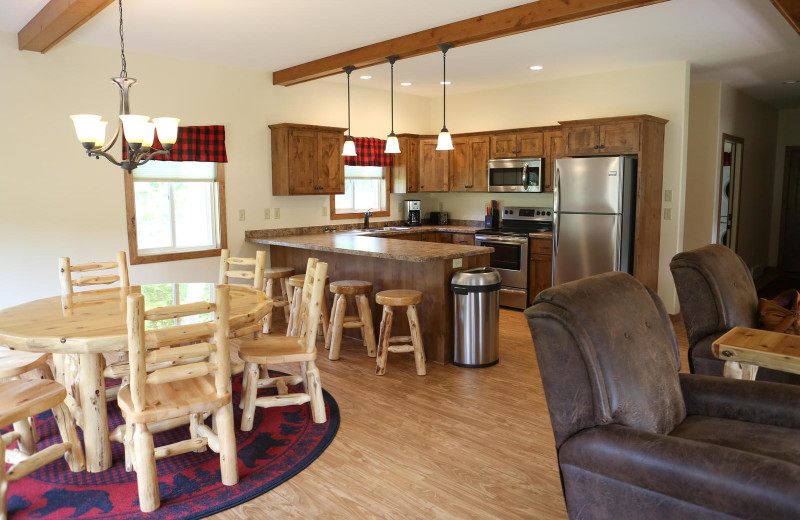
x: 387, y: 177
x: 133, y: 242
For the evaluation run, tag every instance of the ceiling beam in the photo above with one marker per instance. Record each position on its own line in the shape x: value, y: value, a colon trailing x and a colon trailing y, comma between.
x: 515, y: 20
x: 790, y: 9
x: 56, y: 21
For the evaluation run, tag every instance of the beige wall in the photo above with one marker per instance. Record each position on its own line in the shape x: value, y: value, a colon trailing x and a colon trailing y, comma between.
x: 788, y: 135
x: 662, y: 91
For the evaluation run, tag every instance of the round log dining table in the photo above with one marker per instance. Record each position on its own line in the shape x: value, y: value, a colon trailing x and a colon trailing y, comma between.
x: 89, y: 324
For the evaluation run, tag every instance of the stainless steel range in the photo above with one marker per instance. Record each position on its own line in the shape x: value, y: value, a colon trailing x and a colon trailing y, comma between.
x: 510, y: 244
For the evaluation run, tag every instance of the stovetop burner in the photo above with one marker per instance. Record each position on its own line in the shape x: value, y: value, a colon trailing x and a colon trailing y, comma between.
x: 518, y: 221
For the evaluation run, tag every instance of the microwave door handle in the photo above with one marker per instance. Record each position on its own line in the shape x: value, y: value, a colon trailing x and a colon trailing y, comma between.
x: 525, y: 175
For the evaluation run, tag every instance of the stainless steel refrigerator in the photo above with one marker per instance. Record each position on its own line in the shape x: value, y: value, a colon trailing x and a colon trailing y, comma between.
x: 594, y: 213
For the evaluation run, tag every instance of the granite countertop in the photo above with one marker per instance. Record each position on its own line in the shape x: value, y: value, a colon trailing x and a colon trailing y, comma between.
x: 417, y: 229
x: 541, y: 234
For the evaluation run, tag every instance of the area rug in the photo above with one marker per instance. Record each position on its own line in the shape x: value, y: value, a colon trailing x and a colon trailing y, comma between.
x: 282, y: 443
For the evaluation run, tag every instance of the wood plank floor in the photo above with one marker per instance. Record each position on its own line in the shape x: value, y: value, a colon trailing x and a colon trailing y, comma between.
x: 455, y: 444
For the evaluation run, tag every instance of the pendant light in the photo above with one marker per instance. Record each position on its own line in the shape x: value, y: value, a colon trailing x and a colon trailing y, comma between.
x: 349, y: 148
x: 445, y: 141
x: 392, y: 144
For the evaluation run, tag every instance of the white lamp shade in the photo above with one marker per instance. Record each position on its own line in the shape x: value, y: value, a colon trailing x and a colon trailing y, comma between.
x: 100, y: 133
x: 135, y: 127
x: 86, y: 127
x: 445, y: 142
x: 392, y: 144
x: 167, y: 128
x: 149, y: 135
x: 349, y: 148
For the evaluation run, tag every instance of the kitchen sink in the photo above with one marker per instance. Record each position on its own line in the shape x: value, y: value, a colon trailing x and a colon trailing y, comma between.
x: 396, y: 229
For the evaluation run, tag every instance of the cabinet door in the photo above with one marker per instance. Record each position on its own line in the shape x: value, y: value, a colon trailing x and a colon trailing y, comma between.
x: 302, y: 162
x: 617, y: 138
x: 460, y: 172
x: 428, y: 236
x: 405, y: 166
x: 504, y: 146
x: 434, y: 165
x: 540, y: 273
x: 464, y: 239
x: 580, y: 140
x: 330, y: 172
x: 530, y: 145
x: 479, y: 164
x: 553, y: 149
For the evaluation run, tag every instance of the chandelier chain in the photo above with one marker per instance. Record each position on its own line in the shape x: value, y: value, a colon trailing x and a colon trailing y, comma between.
x: 124, y: 72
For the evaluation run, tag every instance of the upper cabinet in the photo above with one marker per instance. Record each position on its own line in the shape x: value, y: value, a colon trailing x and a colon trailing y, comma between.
x: 307, y: 160
x: 510, y: 146
x: 469, y: 164
x: 405, y: 165
x: 434, y: 167
x: 553, y: 149
x: 609, y: 136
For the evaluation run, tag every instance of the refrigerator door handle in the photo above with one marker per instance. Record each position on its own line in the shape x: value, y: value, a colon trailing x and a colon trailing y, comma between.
x: 557, y: 192
x: 556, y: 226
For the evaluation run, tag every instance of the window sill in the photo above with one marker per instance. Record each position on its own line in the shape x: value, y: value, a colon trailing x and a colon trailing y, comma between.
x: 137, y: 259
x: 342, y: 216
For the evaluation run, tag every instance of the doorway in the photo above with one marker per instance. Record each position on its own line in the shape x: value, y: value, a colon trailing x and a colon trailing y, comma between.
x: 728, y: 199
x: 790, y: 213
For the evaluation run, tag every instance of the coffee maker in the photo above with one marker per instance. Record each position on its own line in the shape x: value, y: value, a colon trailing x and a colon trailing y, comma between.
x: 413, y: 212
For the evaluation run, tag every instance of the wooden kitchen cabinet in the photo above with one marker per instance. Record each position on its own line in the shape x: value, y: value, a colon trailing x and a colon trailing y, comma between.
x: 553, y: 149
x: 609, y: 136
x: 306, y: 160
x: 464, y: 239
x: 434, y: 167
x: 510, y: 146
x: 428, y: 236
x: 405, y: 165
x: 469, y: 164
x: 540, y: 275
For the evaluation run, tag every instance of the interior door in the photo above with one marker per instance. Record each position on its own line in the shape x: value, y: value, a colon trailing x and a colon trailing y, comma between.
x: 728, y: 197
x: 585, y: 245
x: 790, y: 223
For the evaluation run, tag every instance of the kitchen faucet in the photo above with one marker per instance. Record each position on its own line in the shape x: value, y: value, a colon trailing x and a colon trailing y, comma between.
x: 367, y: 214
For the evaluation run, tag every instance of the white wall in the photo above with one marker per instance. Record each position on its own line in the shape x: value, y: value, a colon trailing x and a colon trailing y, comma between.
x: 788, y: 135
x: 661, y: 91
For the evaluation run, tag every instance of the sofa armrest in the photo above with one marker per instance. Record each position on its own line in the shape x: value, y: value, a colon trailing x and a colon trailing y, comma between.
x: 761, y: 402
x: 731, y: 481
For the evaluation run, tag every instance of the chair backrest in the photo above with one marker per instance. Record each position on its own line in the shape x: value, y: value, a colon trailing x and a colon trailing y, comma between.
x: 715, y: 290
x: 259, y: 264
x: 65, y: 270
x: 607, y: 354
x: 312, y: 302
x: 142, y: 345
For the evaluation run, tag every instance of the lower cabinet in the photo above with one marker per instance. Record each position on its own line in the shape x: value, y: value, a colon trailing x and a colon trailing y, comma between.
x: 463, y: 239
x: 540, y: 269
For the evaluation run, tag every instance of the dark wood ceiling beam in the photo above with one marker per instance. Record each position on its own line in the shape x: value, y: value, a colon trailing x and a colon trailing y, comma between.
x: 790, y: 9
x: 56, y: 21
x: 515, y: 20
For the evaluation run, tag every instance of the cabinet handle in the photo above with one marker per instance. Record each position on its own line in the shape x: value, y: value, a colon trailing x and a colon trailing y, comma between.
x: 596, y: 147
x: 602, y: 146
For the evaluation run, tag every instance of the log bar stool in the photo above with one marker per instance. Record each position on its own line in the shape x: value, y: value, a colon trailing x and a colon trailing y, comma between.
x: 295, y: 284
x: 399, y: 298
x: 281, y: 276
x: 339, y: 319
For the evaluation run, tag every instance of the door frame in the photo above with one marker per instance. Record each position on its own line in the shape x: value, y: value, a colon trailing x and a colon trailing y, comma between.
x: 786, y: 164
x: 736, y: 186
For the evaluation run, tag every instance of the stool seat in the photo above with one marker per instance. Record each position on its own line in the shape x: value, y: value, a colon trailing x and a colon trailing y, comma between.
x: 14, y: 363
x: 298, y: 280
x: 351, y: 287
x: 398, y: 297
x: 273, y: 273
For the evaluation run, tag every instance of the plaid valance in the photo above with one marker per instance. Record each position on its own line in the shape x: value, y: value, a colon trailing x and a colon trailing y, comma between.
x: 370, y: 153
x: 195, y: 143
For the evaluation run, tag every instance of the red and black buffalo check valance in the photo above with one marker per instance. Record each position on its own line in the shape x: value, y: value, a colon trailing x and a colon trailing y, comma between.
x: 195, y: 143
x: 369, y: 152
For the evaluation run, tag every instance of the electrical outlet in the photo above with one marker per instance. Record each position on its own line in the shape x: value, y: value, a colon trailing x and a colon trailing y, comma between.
x: 457, y: 262
x: 324, y: 211
x: 241, y: 215
x: 667, y: 213
x: 266, y: 213
x: 667, y: 195
x: 277, y: 213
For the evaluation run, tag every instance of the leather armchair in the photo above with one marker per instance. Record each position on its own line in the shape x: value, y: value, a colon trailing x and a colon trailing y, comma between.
x: 636, y: 440
x: 717, y: 293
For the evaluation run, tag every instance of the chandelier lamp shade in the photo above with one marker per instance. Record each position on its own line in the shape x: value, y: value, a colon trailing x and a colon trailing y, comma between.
x: 349, y: 148
x: 445, y: 142
x: 138, y: 131
x: 392, y: 144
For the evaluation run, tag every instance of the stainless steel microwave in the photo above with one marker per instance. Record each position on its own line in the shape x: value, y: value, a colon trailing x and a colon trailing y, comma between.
x: 516, y: 175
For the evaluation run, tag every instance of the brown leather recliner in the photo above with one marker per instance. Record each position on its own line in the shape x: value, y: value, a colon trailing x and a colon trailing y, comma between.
x: 637, y: 441
x: 716, y: 293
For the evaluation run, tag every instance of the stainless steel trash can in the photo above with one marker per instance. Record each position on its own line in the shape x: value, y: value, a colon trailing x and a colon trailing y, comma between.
x: 476, y: 296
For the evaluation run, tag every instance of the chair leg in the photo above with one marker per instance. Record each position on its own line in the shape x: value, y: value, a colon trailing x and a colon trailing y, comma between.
x: 128, y: 443
x: 328, y: 336
x: 294, y: 320
x: 249, y: 396
x: 314, y: 389
x: 285, y: 295
x: 3, y: 482
x: 335, y: 332
x: 267, y: 328
x: 27, y: 439
x: 368, y: 330
x: 66, y: 427
x: 228, y: 463
x: 383, y: 342
x: 195, y: 420
x: 416, y: 339
x: 324, y: 318
x: 146, y: 476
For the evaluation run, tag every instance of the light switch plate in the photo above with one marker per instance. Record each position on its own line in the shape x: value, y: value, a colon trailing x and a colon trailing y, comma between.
x: 241, y: 215
x: 667, y: 213
x: 277, y: 213
x: 458, y: 262
x: 667, y: 195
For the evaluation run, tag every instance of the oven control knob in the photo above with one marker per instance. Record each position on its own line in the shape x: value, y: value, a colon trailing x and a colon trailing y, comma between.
x: 538, y: 212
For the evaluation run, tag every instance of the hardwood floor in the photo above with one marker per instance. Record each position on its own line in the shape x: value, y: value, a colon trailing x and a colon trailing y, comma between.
x: 454, y: 444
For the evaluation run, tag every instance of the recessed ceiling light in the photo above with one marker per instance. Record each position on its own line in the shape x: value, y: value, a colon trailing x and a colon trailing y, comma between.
x: 405, y: 84
x: 365, y: 77
x: 537, y: 67
x: 791, y: 82
x: 444, y: 83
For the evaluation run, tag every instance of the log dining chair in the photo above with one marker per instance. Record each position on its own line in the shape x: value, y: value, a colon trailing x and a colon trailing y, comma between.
x: 19, y: 401
x: 12, y: 366
x: 267, y: 350
x: 177, y: 392
x: 256, y: 274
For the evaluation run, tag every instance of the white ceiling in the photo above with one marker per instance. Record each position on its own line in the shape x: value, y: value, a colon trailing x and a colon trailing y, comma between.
x: 745, y: 43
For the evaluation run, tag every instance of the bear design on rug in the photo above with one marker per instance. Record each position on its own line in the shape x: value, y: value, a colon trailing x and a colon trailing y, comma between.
x: 81, y: 501
x: 259, y: 448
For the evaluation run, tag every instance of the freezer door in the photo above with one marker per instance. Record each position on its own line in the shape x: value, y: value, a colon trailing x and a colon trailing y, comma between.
x: 589, y: 185
x: 585, y: 245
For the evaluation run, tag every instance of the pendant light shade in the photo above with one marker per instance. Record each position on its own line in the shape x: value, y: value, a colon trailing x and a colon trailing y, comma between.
x: 392, y: 144
x: 349, y: 148
x: 445, y: 142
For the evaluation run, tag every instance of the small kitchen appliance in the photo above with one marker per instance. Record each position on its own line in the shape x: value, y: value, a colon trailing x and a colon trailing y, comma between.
x: 516, y: 175
x: 413, y: 212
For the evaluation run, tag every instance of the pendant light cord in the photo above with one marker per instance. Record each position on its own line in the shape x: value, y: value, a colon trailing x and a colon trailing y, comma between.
x: 444, y: 88
x: 348, y: 103
x: 392, y: 90
x: 124, y: 72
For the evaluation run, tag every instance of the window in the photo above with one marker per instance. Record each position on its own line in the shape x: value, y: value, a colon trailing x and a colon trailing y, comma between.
x: 178, y: 208
x: 365, y: 188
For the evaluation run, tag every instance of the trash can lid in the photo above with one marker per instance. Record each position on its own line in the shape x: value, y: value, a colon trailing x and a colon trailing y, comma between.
x: 476, y: 277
